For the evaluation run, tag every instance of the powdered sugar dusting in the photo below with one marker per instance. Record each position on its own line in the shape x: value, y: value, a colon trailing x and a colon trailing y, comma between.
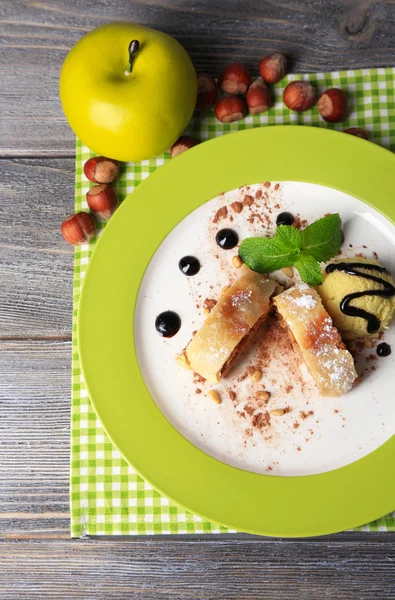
x: 306, y: 301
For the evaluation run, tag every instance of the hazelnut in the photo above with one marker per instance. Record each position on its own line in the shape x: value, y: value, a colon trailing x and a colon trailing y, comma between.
x: 333, y: 105
x: 272, y: 67
x: 230, y: 108
x: 258, y: 97
x: 79, y: 228
x: 102, y: 200
x: 100, y: 169
x: 235, y: 79
x: 207, y: 91
x: 358, y: 132
x: 299, y: 95
x: 183, y: 143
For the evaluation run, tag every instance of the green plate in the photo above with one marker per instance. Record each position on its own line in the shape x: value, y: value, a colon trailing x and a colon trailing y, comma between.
x: 268, y: 505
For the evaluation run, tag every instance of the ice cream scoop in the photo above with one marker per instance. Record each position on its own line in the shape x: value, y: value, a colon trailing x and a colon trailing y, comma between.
x: 359, y: 295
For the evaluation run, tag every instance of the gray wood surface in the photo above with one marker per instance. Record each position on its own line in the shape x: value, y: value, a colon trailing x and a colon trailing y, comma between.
x: 228, y: 570
x: 35, y: 37
x: 36, y: 192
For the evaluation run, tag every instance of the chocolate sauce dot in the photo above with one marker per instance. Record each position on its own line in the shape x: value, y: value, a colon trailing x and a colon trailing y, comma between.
x: 383, y: 349
x: 168, y: 323
x: 189, y: 265
x: 285, y: 218
x: 227, y: 239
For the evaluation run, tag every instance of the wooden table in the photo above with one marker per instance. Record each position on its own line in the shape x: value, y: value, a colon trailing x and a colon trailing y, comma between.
x: 37, y: 558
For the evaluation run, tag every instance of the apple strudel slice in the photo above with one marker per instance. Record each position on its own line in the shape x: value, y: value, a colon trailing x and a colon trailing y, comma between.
x: 230, y: 326
x: 313, y: 333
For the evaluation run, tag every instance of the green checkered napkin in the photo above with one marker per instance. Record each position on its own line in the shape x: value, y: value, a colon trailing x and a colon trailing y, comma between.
x: 107, y: 495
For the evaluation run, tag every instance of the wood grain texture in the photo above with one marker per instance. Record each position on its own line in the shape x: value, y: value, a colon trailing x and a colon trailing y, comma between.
x: 202, y: 570
x: 36, y: 558
x: 34, y: 437
x: 36, y: 264
x: 36, y: 36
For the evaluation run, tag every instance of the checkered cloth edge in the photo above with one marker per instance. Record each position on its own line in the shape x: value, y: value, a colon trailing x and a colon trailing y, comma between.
x: 107, y: 496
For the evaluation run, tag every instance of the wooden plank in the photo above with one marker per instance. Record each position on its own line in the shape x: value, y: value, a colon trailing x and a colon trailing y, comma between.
x: 36, y: 37
x: 36, y: 264
x: 182, y: 570
x: 34, y: 437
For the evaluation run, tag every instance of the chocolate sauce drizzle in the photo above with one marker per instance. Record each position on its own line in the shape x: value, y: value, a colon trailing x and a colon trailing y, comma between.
x: 388, y: 291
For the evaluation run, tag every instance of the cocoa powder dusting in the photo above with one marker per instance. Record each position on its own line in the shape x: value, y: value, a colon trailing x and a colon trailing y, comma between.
x: 274, y: 343
x: 258, y: 194
x: 237, y: 207
x: 304, y: 414
x: 296, y: 222
x: 198, y: 378
x: 209, y: 303
x: 232, y: 395
x: 261, y: 420
x: 248, y: 200
x: 221, y: 213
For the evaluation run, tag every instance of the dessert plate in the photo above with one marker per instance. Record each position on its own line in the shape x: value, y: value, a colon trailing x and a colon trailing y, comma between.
x: 120, y: 296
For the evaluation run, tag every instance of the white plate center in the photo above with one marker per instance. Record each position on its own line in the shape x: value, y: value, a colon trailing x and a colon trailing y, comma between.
x: 316, y: 434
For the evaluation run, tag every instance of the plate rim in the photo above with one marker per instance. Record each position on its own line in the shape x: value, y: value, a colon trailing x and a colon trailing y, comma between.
x: 190, y: 478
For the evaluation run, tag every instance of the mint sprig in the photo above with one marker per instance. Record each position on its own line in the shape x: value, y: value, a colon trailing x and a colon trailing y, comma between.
x: 323, y: 238
x: 304, y: 249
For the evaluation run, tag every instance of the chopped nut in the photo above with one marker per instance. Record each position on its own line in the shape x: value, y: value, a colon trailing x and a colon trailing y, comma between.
x: 262, y: 396
x: 277, y: 412
x: 223, y: 290
x: 256, y: 375
x: 206, y: 311
x: 214, y: 396
x: 368, y: 343
x: 237, y: 262
x: 288, y: 272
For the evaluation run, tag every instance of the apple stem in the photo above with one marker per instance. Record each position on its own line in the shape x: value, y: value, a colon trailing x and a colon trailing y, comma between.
x: 133, y: 49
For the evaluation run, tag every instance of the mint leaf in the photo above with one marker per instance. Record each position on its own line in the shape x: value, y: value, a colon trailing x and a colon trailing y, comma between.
x: 323, y: 238
x: 309, y: 269
x: 267, y: 254
x: 289, y: 236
